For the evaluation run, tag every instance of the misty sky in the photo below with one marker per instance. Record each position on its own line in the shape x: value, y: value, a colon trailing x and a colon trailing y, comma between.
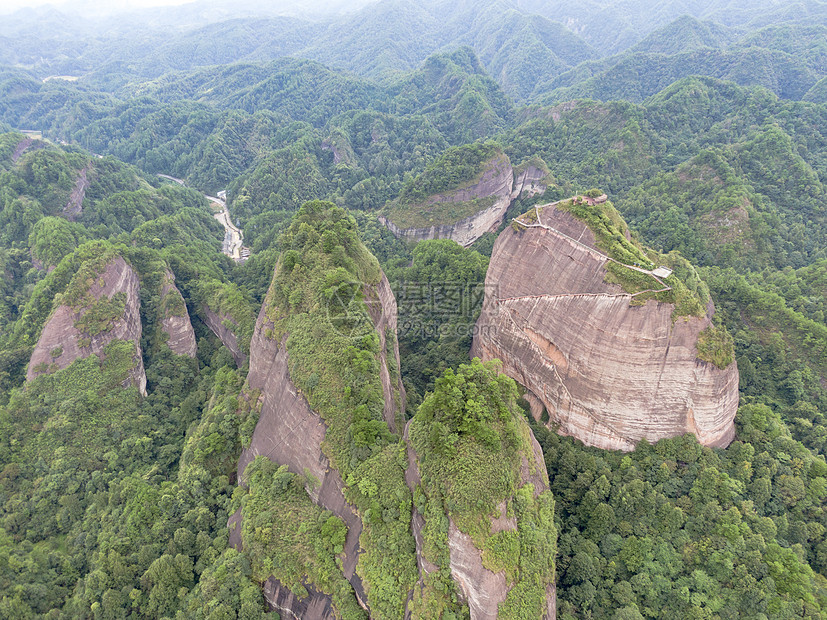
x: 8, y: 6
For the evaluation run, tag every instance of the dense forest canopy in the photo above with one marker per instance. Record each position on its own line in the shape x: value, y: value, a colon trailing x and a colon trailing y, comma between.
x: 705, y: 125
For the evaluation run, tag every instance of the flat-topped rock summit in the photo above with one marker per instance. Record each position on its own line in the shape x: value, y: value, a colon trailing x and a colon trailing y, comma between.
x: 463, y: 195
x: 615, y: 353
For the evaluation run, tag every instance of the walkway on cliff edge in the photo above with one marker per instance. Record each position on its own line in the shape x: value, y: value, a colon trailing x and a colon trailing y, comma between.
x: 539, y: 224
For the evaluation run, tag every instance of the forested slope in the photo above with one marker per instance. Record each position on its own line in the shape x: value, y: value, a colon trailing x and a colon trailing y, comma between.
x: 113, y: 503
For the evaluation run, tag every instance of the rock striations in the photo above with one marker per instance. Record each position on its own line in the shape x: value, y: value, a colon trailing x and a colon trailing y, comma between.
x: 381, y: 306
x: 290, y: 433
x: 107, y: 308
x: 609, y: 369
x: 325, y: 380
x: 175, y: 321
x: 495, y: 189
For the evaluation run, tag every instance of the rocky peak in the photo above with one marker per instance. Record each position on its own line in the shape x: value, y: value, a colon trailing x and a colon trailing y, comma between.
x: 610, y: 366
x: 469, y: 507
x: 465, y: 210
x: 301, y: 379
x: 101, y: 306
x: 175, y: 321
x: 469, y: 211
x: 530, y: 179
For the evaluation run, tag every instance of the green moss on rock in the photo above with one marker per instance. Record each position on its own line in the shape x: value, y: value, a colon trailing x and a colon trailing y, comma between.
x: 472, y: 442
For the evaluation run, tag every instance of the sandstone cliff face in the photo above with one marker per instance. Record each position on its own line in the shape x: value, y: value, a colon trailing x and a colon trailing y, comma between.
x: 497, y: 181
x: 317, y: 605
x: 24, y: 145
x: 608, y: 373
x: 215, y: 321
x: 479, y: 587
x: 528, y: 183
x: 382, y: 309
x: 176, y: 320
x: 74, y: 207
x: 290, y: 433
x: 61, y: 342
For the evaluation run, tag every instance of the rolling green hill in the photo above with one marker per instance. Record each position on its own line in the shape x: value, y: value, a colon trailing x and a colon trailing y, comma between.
x: 685, y: 34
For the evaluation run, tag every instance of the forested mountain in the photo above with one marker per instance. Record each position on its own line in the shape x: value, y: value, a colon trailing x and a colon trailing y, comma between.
x: 530, y: 48
x: 302, y: 432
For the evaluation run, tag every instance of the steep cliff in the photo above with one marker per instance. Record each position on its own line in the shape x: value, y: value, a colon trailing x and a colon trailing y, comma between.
x: 316, y: 606
x: 614, y: 352
x: 530, y: 178
x: 100, y: 305
x: 483, y: 507
x: 222, y: 325
x: 324, y: 373
x: 175, y: 321
x: 290, y: 433
x: 382, y: 310
x: 227, y: 311
x: 74, y: 206
x: 464, y: 195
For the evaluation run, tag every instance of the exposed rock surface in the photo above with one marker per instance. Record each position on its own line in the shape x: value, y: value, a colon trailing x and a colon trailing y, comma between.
x: 481, y: 588
x: 290, y: 433
x: 215, y: 322
x: 528, y: 183
x: 74, y: 207
x: 382, y: 309
x: 497, y: 181
x: 38, y: 264
x: 21, y: 147
x: 317, y: 605
x: 24, y: 145
x: 412, y: 479
x: 61, y: 343
x: 176, y: 325
x: 609, y: 373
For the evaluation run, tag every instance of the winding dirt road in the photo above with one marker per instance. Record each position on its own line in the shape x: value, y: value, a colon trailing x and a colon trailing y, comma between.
x: 233, y: 245
x: 233, y: 237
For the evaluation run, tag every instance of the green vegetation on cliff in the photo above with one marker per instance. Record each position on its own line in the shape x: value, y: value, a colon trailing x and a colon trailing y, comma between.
x: 458, y: 168
x: 686, y: 291
x: 290, y: 538
x: 715, y: 345
x: 113, y: 505
x: 316, y: 300
x: 477, y: 464
x: 101, y: 315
